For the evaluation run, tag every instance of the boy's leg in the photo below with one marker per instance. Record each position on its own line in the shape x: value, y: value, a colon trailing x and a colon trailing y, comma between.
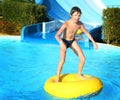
x: 76, y: 48
x: 61, y: 62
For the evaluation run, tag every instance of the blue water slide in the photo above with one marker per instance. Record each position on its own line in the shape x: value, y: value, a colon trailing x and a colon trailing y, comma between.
x: 92, y: 9
x: 88, y: 15
x: 96, y: 5
x: 55, y: 10
x: 91, y: 13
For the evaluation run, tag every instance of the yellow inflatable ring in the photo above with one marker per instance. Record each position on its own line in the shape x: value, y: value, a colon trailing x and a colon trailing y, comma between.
x: 70, y: 86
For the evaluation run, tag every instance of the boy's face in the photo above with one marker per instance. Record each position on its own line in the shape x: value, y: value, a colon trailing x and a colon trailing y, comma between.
x: 75, y: 16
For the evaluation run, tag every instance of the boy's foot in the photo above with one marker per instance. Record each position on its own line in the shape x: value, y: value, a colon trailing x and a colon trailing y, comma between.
x: 57, y: 80
x: 82, y: 77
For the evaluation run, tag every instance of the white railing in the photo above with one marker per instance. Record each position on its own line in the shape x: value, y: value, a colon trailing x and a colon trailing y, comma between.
x: 48, y: 27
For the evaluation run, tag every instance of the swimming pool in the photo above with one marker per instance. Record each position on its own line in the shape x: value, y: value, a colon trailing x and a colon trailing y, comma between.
x: 25, y: 66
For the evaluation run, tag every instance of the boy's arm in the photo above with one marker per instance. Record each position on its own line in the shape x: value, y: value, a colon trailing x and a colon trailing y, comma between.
x: 89, y: 36
x: 59, y: 32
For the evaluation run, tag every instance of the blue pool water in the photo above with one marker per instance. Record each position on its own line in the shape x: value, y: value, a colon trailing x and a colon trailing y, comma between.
x: 25, y: 66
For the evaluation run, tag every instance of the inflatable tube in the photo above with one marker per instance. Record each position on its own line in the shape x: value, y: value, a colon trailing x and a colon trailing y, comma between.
x: 70, y: 86
x: 79, y: 31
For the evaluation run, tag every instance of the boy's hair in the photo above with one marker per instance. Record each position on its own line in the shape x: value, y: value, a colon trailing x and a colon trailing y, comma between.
x: 75, y: 9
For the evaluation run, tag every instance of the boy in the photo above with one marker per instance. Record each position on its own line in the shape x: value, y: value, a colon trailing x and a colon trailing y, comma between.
x: 68, y: 31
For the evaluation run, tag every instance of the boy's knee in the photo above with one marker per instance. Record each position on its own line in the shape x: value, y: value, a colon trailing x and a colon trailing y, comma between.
x: 82, y: 58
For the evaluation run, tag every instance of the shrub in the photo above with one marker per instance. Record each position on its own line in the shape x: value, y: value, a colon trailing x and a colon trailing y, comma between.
x: 26, y: 1
x: 20, y: 14
x: 23, y: 13
x: 111, y: 25
x: 9, y: 28
x: 0, y: 8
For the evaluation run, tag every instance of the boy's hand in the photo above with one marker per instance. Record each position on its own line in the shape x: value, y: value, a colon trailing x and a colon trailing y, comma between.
x: 95, y: 46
